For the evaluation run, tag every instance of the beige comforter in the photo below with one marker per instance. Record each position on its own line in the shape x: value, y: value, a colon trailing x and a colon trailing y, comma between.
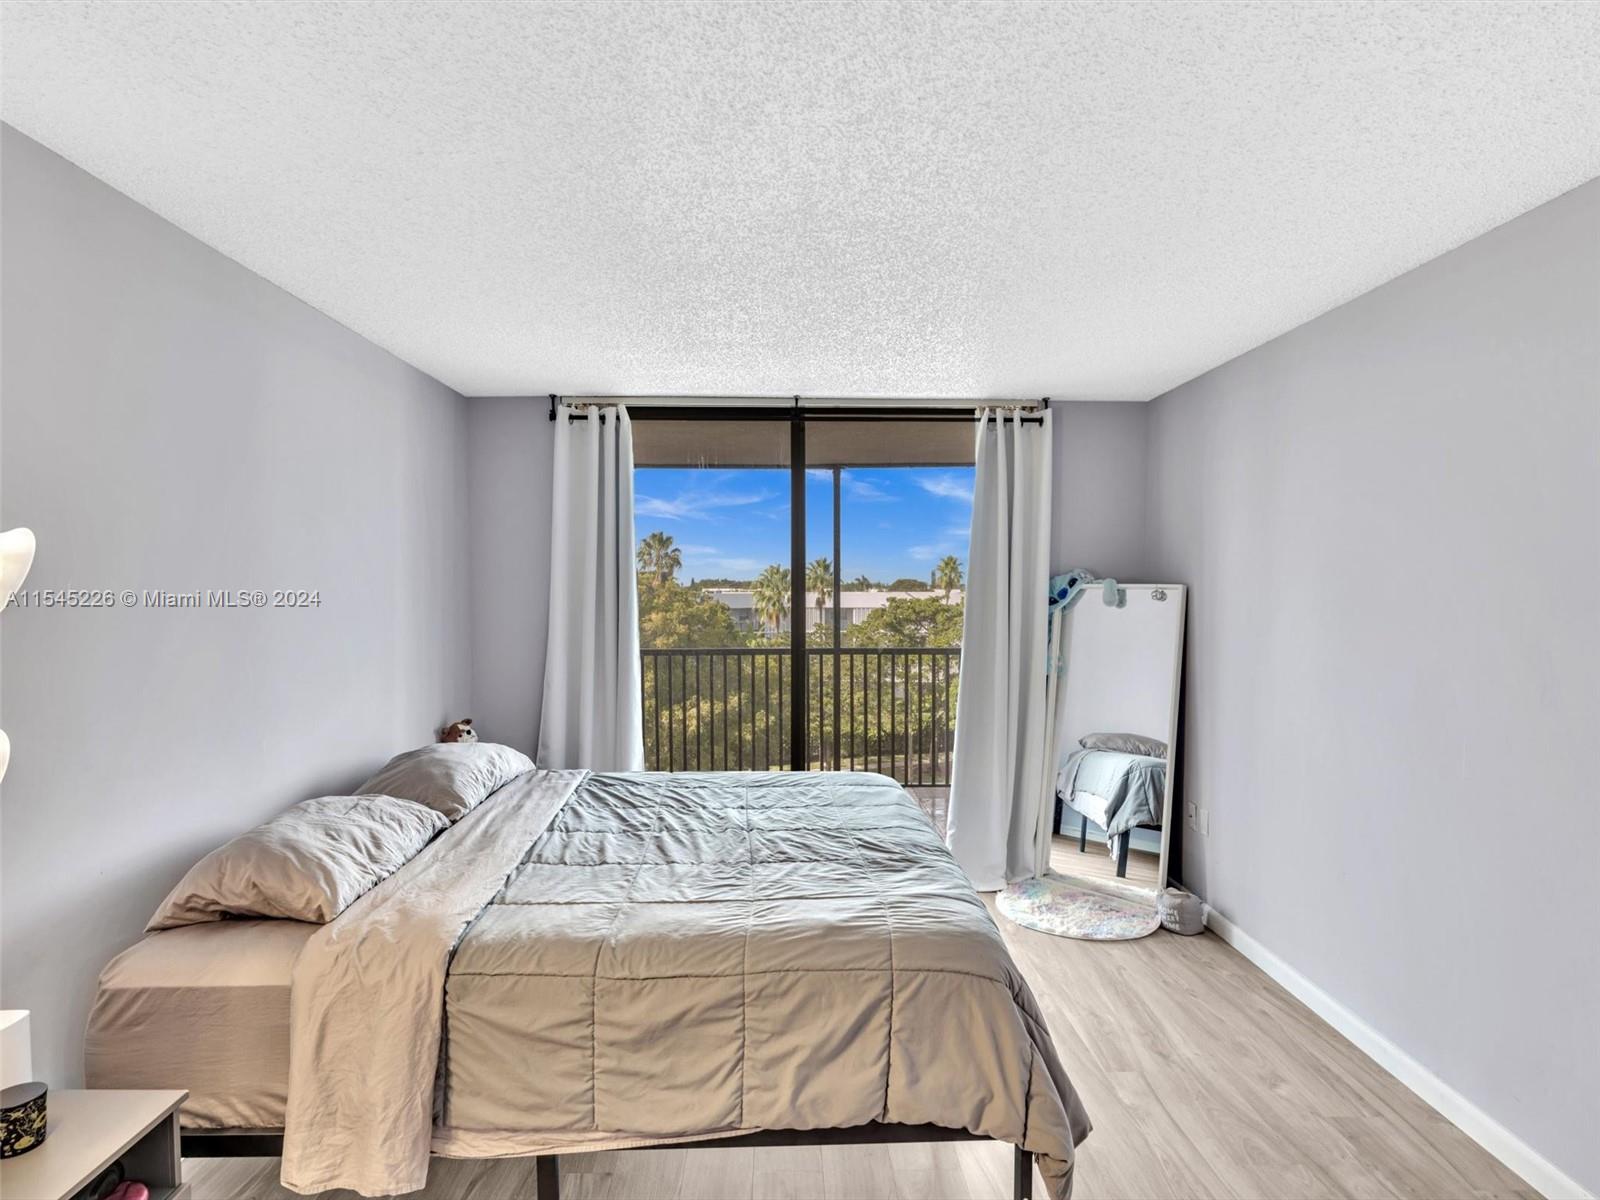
x: 650, y: 958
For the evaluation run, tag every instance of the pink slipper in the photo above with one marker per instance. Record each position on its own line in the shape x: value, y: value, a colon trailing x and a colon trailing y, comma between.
x: 130, y: 1191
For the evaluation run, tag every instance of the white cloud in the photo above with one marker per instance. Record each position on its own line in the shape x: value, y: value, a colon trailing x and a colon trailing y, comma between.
x: 952, y: 539
x: 688, y: 505
x: 863, y: 489
x: 947, y: 486
x: 935, y: 551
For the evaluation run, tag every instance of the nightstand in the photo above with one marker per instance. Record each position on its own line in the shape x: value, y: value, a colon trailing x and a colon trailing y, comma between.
x: 88, y: 1131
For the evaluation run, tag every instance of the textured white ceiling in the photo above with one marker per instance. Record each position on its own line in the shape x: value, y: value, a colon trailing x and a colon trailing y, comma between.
x: 1086, y: 201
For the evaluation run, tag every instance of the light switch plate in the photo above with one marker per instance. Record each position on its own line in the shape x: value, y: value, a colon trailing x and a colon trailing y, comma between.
x: 1190, y: 814
x: 1205, y: 822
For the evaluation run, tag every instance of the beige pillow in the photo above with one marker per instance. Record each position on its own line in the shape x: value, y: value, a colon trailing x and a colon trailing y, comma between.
x: 307, y: 864
x: 449, y: 777
x: 1124, y: 743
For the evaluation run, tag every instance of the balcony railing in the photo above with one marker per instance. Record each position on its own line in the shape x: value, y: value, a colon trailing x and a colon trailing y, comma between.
x: 890, y: 710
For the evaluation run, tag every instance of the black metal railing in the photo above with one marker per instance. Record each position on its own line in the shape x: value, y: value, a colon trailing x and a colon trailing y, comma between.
x: 885, y: 709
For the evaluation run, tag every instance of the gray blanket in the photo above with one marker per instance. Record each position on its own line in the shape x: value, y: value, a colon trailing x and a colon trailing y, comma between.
x: 678, y: 957
x: 1133, y: 787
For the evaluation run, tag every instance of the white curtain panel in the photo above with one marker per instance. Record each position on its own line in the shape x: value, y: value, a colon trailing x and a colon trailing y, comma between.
x: 1002, y: 752
x: 1055, y: 696
x: 591, y: 716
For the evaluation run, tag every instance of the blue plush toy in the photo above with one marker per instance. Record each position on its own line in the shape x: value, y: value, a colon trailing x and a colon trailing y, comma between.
x: 1066, y: 588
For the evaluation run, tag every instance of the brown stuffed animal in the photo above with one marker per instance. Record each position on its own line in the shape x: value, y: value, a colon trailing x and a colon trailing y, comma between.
x: 459, y: 731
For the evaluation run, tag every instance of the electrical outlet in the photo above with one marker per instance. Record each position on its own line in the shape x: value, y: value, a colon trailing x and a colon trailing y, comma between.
x: 1190, y: 814
x: 1205, y: 822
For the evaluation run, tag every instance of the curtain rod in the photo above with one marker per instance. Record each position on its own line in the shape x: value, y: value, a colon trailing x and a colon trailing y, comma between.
x: 887, y: 406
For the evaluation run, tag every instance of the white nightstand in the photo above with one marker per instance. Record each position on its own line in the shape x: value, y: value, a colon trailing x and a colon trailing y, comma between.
x: 88, y: 1131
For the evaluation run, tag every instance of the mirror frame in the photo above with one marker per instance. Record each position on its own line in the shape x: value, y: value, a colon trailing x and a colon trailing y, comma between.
x: 1180, y: 593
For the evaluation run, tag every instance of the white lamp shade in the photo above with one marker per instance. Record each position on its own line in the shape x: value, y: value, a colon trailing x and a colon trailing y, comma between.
x: 16, y: 556
x: 16, y: 1048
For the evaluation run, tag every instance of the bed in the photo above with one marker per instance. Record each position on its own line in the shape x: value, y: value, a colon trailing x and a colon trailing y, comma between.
x: 591, y: 962
x: 1119, y: 792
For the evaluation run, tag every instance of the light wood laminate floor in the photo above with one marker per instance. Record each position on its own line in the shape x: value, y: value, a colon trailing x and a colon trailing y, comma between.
x: 1095, y: 862
x: 1203, y: 1078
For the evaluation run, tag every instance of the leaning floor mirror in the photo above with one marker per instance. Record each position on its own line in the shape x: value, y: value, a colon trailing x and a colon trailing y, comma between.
x: 1119, y: 656
x: 1118, y: 735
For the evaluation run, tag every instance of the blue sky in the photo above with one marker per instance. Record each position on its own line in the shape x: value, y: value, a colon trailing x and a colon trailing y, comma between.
x: 897, y: 521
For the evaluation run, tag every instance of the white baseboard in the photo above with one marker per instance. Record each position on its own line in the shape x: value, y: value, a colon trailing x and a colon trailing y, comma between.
x: 1539, y: 1172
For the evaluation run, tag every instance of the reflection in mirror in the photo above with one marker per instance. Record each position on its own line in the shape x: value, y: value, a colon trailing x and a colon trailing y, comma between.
x: 1118, y: 734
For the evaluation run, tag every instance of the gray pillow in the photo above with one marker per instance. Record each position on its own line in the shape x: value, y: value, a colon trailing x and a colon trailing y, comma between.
x: 308, y: 864
x: 1124, y: 743
x: 449, y: 777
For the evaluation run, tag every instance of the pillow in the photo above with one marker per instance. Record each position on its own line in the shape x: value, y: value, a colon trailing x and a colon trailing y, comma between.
x: 449, y: 777
x: 1124, y: 743
x: 307, y: 864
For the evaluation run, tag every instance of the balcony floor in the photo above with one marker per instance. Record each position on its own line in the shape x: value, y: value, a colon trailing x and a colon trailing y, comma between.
x: 935, y: 801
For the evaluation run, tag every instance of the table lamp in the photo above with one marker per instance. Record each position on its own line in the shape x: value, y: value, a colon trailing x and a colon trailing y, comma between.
x: 16, y: 556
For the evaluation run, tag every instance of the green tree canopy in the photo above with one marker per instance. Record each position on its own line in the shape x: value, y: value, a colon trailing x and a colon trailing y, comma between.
x: 671, y: 616
x: 927, y: 621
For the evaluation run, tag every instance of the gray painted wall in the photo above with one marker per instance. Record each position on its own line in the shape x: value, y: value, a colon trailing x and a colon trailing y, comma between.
x: 509, y: 448
x: 172, y: 421
x: 1099, y: 489
x: 1391, y: 521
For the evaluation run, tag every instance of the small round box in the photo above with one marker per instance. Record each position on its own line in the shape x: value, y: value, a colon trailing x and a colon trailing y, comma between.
x: 22, y: 1118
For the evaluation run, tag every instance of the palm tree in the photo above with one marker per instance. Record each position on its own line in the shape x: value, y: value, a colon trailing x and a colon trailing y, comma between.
x: 659, y: 557
x: 861, y: 584
x: 771, y: 594
x: 947, y: 575
x: 819, y: 579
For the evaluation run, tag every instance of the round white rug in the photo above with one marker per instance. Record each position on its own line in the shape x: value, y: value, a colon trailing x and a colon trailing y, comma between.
x: 1077, y: 908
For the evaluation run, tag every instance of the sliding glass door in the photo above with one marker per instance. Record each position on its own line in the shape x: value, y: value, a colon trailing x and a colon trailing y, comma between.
x: 713, y: 513
x: 884, y: 651
x: 800, y: 591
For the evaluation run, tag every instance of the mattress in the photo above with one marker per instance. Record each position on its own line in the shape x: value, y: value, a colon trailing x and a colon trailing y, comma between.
x: 203, y: 1007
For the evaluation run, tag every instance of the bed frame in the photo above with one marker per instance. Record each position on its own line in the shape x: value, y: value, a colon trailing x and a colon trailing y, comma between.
x: 1083, y: 835
x: 268, y: 1143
